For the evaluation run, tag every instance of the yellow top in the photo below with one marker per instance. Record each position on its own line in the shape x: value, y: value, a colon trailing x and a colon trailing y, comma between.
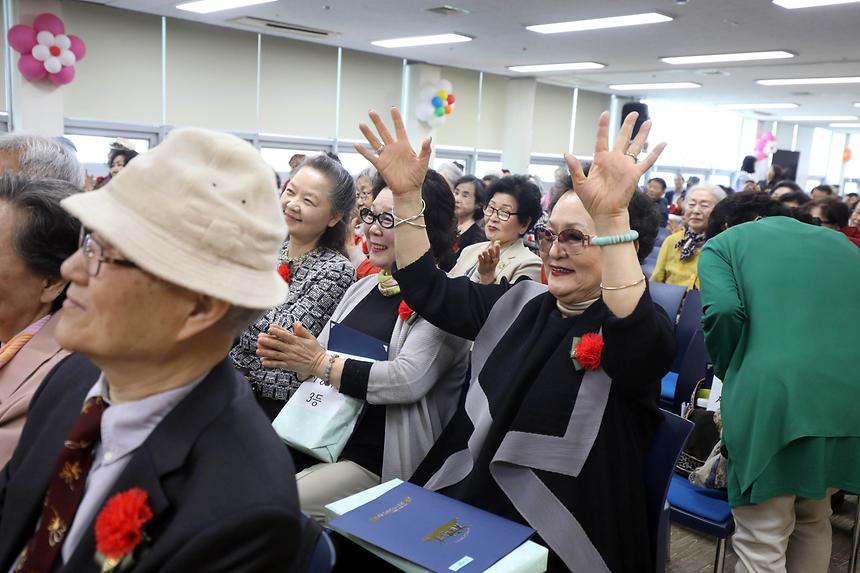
x: 670, y: 269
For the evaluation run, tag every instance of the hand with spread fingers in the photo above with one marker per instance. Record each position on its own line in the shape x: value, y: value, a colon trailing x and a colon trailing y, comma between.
x: 393, y: 156
x: 615, y: 172
x: 487, y: 263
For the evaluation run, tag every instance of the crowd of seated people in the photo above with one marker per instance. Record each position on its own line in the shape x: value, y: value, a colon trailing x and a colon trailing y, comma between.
x: 151, y: 330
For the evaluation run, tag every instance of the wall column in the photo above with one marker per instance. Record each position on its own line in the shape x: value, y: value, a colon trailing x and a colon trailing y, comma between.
x: 519, y: 120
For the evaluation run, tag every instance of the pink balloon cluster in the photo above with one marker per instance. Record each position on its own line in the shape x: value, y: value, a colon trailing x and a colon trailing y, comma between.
x: 46, y: 49
x: 765, y: 145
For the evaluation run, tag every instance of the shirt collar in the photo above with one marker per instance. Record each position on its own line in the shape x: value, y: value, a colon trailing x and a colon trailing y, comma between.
x: 124, y: 427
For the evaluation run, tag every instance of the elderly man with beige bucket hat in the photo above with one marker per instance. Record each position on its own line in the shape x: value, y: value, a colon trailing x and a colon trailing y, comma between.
x: 144, y: 448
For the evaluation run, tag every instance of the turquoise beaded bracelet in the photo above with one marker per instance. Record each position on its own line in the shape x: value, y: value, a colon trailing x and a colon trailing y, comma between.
x: 615, y: 239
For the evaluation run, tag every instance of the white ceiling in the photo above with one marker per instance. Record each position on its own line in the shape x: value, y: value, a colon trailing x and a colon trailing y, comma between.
x: 826, y: 41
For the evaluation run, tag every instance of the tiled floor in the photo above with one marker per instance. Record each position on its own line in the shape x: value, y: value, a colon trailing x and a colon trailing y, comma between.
x: 694, y: 553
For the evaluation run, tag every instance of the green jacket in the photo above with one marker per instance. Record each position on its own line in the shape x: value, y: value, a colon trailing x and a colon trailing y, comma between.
x: 781, y: 320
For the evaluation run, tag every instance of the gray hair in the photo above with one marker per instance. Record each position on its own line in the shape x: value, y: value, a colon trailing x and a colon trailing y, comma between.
x: 714, y: 190
x: 238, y: 318
x: 44, y: 234
x: 41, y: 157
x: 450, y: 172
x: 341, y: 196
x: 369, y: 172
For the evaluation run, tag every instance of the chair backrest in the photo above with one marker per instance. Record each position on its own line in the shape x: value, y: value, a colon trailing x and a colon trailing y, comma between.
x: 694, y: 367
x: 666, y: 446
x: 317, y: 553
x: 689, y: 321
x: 667, y: 296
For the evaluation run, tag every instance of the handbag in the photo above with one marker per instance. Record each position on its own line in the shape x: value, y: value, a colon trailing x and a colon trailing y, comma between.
x: 318, y: 420
x: 703, y: 438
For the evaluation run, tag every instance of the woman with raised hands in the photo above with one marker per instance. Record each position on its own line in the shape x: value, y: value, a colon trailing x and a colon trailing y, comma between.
x: 553, y: 432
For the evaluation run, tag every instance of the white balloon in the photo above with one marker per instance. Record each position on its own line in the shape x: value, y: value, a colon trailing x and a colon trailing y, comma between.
x: 68, y: 58
x: 437, y: 121
x: 63, y: 41
x: 427, y: 92
x: 53, y: 65
x: 445, y: 86
x: 41, y: 52
x: 424, y: 111
x: 45, y: 38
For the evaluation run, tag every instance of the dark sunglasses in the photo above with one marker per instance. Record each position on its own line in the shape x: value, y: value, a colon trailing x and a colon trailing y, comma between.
x: 385, y: 220
x: 572, y: 241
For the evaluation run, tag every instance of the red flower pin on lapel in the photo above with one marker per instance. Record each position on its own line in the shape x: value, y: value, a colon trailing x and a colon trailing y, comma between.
x: 285, y: 272
x: 404, y: 312
x: 119, y: 529
x: 585, y: 352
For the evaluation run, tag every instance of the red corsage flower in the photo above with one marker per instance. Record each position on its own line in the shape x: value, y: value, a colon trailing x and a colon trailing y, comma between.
x: 119, y: 528
x: 404, y: 312
x: 585, y: 352
x: 285, y: 272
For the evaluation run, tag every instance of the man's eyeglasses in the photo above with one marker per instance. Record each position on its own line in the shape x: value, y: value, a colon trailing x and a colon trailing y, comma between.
x: 385, y: 220
x: 571, y: 241
x: 502, y: 215
x: 94, y: 253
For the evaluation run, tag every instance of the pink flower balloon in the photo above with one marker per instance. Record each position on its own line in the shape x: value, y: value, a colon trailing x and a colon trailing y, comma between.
x: 22, y: 38
x: 49, y: 22
x: 31, y: 68
x: 46, y: 50
x: 64, y: 76
x: 78, y: 48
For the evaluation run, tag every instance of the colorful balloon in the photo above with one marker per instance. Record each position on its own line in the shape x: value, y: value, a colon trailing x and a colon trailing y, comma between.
x: 451, y: 99
x: 443, y: 95
x: 448, y: 109
x: 436, y: 101
x: 440, y: 111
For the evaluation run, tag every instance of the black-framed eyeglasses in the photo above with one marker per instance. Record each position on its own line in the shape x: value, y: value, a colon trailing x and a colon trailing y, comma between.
x: 385, y: 219
x: 502, y: 215
x: 571, y: 241
x: 94, y: 254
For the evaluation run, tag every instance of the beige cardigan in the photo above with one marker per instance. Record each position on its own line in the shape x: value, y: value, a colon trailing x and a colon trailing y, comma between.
x: 20, y: 379
x: 515, y: 262
x: 420, y: 384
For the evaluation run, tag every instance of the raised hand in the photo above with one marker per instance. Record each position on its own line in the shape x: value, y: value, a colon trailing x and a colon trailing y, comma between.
x: 615, y: 172
x: 393, y: 157
x: 487, y: 262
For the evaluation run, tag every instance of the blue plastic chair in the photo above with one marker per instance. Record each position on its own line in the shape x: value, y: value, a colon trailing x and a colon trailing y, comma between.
x: 689, y: 321
x: 667, y: 296
x: 704, y: 510
x: 666, y: 446
x: 693, y: 369
x: 322, y: 558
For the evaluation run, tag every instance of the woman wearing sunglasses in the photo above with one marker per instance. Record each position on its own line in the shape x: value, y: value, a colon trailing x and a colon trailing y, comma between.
x: 513, y: 207
x: 317, y: 203
x: 411, y: 396
x: 562, y: 401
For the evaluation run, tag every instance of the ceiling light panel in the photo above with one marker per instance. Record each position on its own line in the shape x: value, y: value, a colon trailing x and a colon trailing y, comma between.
x: 655, y: 86
x: 846, y: 125
x: 422, y: 41
x: 737, y: 57
x: 743, y: 106
x: 600, y: 23
x: 536, y: 68
x: 818, y: 117
x: 793, y: 4
x: 809, y: 81
x: 209, y: 6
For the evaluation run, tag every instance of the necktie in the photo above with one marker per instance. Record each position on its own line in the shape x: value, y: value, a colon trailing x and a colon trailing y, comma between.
x: 65, y: 490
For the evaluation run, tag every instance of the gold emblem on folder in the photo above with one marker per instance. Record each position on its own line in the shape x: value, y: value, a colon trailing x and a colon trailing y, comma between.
x: 453, y: 532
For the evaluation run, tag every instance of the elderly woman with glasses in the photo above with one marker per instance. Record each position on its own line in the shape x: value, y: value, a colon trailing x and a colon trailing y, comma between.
x: 562, y: 402
x: 512, y: 209
x: 36, y: 235
x: 411, y: 396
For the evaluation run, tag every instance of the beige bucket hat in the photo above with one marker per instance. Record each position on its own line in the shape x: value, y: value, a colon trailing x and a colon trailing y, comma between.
x: 201, y: 211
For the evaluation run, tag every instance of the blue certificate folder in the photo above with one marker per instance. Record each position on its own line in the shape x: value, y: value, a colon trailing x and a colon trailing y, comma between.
x: 345, y: 340
x: 436, y: 532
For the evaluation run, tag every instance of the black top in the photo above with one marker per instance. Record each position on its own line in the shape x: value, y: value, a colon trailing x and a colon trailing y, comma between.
x: 531, y: 386
x: 375, y: 316
x: 470, y: 236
